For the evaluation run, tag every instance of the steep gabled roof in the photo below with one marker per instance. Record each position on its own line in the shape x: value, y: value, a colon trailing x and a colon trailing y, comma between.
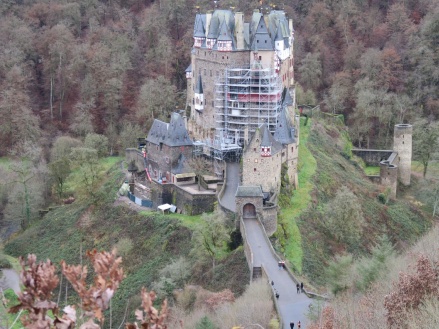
x: 267, y: 139
x: 199, y: 26
x: 261, y: 37
x: 284, y: 129
x: 189, y: 68
x: 224, y: 33
x: 172, y: 134
x: 199, y: 85
x: 177, y: 132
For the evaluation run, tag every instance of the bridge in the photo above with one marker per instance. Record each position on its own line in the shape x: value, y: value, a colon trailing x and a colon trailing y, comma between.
x: 262, y: 259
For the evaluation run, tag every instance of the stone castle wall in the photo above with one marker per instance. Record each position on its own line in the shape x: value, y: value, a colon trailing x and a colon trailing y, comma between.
x: 134, y: 154
x: 210, y: 64
x: 269, y: 219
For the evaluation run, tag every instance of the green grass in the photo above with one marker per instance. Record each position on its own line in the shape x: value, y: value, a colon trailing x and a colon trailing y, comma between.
x: 156, y: 240
x: 300, y: 200
x: 74, y: 181
x: 432, y: 169
x: 6, y: 319
x: 372, y: 170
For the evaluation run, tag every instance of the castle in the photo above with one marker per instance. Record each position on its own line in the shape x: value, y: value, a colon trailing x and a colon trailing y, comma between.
x: 241, y: 85
x: 240, y: 105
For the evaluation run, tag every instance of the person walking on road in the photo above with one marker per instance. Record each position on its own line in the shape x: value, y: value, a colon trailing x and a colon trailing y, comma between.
x: 301, y: 286
x: 299, y: 325
x: 292, y: 325
x: 298, y: 288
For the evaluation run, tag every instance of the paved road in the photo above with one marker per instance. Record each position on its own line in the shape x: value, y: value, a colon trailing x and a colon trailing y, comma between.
x: 232, y: 182
x: 292, y: 306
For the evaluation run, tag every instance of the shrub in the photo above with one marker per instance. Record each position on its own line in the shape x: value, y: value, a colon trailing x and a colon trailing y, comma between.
x: 4, y: 262
x: 97, y: 142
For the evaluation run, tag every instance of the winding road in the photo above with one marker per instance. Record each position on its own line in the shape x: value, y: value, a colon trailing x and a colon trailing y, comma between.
x: 292, y: 306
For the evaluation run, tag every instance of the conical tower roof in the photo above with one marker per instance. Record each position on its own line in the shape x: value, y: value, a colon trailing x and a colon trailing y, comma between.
x: 199, y: 85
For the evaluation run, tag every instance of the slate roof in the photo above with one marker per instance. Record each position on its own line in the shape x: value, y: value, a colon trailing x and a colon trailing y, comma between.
x: 261, y: 38
x: 284, y: 130
x: 249, y: 191
x: 267, y: 139
x: 199, y: 26
x: 199, y: 85
x: 189, y: 68
x: 172, y: 134
x: 224, y: 33
x: 222, y: 27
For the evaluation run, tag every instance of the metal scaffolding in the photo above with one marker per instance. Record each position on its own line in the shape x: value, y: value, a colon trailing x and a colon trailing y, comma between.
x: 247, y: 98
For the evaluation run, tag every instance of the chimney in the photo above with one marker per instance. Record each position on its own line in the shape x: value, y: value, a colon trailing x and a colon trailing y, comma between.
x: 239, y: 30
x: 208, y: 18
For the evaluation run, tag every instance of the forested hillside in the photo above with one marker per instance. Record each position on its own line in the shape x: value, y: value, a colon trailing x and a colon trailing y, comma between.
x: 109, y: 67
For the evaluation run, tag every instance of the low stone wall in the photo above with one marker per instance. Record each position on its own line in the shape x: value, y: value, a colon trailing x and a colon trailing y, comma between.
x: 188, y: 203
x: 372, y: 157
x: 247, y: 249
x: 134, y: 154
x: 269, y: 219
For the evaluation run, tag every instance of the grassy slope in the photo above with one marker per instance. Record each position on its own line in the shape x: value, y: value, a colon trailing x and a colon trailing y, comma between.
x: 402, y: 222
x: 300, y: 200
x: 156, y: 240
x: 323, y: 169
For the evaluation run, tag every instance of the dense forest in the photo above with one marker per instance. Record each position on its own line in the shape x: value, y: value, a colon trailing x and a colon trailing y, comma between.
x: 109, y: 67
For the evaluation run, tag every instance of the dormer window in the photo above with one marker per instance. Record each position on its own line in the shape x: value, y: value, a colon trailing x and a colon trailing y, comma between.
x: 266, y: 151
x: 210, y: 43
x: 198, y: 42
x: 224, y: 45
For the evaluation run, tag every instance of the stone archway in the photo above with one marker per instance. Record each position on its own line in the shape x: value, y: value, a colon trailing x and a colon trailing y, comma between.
x: 249, y: 211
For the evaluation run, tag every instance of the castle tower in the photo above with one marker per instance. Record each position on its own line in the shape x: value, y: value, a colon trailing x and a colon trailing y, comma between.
x: 389, y: 176
x: 402, y: 144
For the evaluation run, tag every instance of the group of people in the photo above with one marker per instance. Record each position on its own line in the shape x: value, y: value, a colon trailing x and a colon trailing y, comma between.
x: 298, y: 325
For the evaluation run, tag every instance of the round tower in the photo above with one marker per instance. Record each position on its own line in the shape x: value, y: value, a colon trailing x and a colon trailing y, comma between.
x: 402, y: 144
x: 389, y: 176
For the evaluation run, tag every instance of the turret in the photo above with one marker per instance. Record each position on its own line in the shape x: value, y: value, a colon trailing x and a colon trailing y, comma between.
x: 402, y: 144
x: 199, y: 32
x: 199, y: 95
x: 266, y: 142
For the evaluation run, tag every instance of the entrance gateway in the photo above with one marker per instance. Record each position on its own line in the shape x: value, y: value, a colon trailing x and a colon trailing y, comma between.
x: 249, y: 211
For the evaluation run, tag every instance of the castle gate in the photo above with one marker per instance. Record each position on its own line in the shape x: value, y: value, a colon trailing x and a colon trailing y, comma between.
x: 249, y: 211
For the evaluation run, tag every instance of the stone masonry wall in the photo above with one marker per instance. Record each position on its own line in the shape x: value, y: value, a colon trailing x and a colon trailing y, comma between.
x: 258, y: 170
x: 402, y: 143
x: 372, y: 157
x: 210, y: 64
x: 269, y: 219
